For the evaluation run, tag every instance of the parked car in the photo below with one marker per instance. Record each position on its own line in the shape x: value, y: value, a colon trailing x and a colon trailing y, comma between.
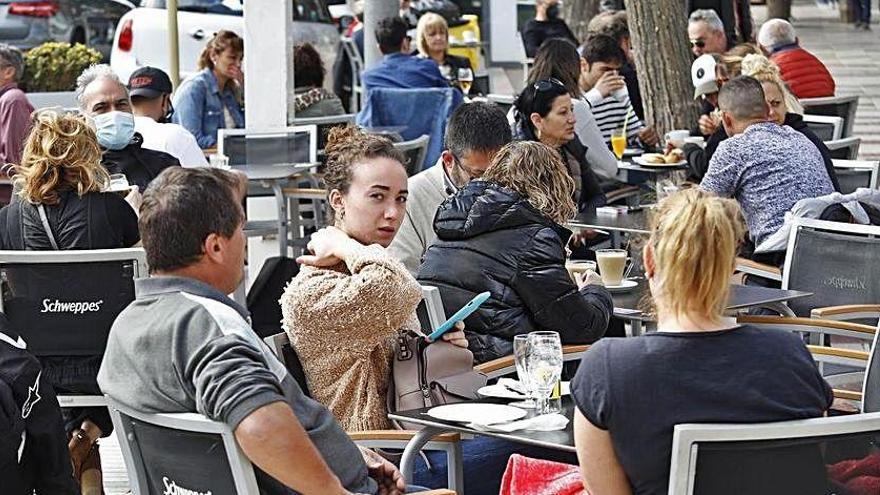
x: 28, y: 23
x: 141, y: 37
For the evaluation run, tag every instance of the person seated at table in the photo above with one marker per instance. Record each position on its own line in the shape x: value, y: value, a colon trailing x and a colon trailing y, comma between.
x: 351, y: 297
x: 767, y: 167
x: 558, y: 59
x: 399, y: 69
x: 311, y: 99
x: 103, y: 97
x: 698, y: 367
x: 210, y: 99
x: 544, y: 112
x: 547, y: 24
x: 432, y: 42
x: 802, y: 71
x: 605, y: 90
x: 61, y: 174
x: 474, y: 134
x: 616, y: 25
x: 505, y: 234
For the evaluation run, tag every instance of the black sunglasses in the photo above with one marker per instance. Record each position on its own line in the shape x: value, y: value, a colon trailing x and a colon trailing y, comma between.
x: 547, y: 84
x: 698, y: 43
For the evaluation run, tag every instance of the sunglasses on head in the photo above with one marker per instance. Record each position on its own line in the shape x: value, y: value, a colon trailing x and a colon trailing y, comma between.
x: 698, y: 43
x: 547, y: 84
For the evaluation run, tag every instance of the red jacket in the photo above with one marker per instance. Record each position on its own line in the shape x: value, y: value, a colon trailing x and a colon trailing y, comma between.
x: 806, y: 75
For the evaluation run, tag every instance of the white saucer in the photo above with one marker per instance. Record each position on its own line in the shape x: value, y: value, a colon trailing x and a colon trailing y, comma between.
x: 476, y: 413
x: 625, y: 286
x: 633, y: 152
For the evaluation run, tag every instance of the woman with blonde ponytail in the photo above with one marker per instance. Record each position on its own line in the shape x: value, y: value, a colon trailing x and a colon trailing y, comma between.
x: 698, y: 367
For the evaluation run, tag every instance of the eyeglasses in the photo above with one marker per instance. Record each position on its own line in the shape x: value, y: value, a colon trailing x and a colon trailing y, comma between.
x: 547, y: 84
x: 470, y: 173
x: 698, y: 43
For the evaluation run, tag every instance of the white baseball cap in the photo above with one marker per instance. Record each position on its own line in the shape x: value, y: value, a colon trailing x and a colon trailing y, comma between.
x: 703, y: 76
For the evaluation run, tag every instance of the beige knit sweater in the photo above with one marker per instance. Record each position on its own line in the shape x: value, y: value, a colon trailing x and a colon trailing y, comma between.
x: 343, y: 321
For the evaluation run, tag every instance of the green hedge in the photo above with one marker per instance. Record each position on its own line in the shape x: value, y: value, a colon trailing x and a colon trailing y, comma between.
x: 55, y: 66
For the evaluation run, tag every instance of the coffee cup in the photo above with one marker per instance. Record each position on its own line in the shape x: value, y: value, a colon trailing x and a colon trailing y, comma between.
x: 612, y: 263
x: 698, y: 140
x: 676, y: 138
x: 579, y: 266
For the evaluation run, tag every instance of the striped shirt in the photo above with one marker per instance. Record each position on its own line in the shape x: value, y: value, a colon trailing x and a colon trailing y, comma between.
x: 610, y: 113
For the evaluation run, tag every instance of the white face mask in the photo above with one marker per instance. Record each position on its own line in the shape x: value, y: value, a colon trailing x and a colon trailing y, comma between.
x: 114, y: 129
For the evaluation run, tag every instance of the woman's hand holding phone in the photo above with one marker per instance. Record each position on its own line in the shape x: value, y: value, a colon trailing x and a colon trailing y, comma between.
x: 455, y: 337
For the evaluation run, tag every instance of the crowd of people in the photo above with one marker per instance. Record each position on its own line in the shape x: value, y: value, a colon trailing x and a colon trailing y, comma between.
x: 491, y: 215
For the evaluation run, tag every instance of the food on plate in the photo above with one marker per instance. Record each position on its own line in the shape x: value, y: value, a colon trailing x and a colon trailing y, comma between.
x: 675, y: 155
x: 655, y: 158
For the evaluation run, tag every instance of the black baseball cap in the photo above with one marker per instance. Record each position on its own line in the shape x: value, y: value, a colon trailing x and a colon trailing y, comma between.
x: 149, y: 82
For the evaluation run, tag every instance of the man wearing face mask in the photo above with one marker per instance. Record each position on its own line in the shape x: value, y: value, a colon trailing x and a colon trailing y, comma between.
x: 546, y: 24
x: 150, y: 90
x: 104, y: 98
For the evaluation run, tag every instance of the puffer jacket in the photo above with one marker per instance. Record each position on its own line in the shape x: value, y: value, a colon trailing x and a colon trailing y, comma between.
x: 140, y: 165
x: 805, y: 75
x: 491, y: 238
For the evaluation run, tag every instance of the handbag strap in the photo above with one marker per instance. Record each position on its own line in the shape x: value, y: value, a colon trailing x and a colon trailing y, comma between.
x: 46, y: 227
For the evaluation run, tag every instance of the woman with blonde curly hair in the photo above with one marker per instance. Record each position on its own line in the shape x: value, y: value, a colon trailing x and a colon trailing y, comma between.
x: 698, y: 367
x: 61, y: 177
x: 505, y: 234
x: 432, y: 41
x: 785, y: 109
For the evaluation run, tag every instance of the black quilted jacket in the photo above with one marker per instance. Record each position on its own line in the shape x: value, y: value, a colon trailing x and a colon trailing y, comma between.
x: 491, y: 239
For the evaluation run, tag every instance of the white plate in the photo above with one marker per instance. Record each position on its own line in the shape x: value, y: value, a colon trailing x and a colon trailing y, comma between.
x: 625, y: 285
x: 641, y: 161
x: 633, y: 152
x: 476, y: 413
x: 500, y: 392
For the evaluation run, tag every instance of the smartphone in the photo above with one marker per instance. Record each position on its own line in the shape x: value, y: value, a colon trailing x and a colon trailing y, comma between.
x: 459, y: 315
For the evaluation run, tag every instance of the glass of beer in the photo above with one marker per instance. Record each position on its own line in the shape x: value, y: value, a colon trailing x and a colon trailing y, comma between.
x: 612, y: 263
x: 618, y: 142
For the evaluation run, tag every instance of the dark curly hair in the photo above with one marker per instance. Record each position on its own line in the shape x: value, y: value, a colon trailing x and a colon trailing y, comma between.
x: 308, y: 66
x: 348, y: 146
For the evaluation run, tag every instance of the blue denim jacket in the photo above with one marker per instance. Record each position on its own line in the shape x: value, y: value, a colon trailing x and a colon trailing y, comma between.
x: 198, y: 106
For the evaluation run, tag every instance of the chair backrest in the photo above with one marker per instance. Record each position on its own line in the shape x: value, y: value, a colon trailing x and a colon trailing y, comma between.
x: 180, y: 453
x: 356, y: 64
x: 826, y: 128
x: 838, y: 262
x: 503, y: 101
x: 415, y: 151
x: 871, y: 384
x: 787, y: 457
x: 430, y: 309
x: 286, y: 145
x: 324, y: 125
x: 844, y: 149
x: 834, y: 106
x: 63, y: 99
x: 853, y: 174
x: 64, y: 302
x: 285, y: 352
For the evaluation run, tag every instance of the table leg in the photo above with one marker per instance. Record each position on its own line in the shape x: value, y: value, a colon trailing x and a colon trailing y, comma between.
x: 413, y: 447
x: 637, y: 328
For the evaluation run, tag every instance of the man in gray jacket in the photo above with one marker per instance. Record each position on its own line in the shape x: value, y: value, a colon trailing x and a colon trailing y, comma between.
x: 184, y: 346
x: 474, y: 134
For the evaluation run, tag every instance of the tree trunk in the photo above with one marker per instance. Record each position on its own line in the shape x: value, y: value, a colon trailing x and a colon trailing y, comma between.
x: 780, y: 9
x: 658, y: 30
x: 577, y: 14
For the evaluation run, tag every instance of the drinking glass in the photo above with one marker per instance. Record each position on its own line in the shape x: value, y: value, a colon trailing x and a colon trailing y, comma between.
x: 219, y: 161
x: 465, y: 79
x: 520, y: 358
x: 544, y: 367
x: 618, y: 142
x: 118, y: 183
